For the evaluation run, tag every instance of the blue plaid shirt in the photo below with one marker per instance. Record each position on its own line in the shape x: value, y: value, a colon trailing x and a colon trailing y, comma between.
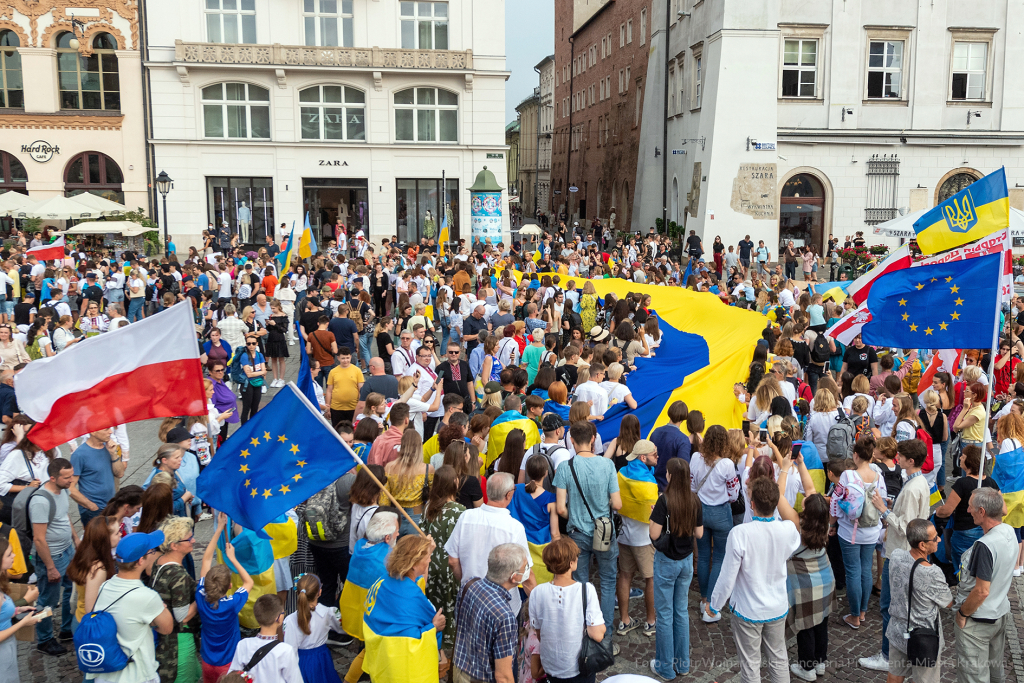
x: 487, y: 629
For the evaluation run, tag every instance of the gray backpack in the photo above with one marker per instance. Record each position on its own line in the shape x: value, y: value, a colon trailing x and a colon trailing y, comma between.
x: 19, y: 510
x: 869, y: 514
x: 841, y: 437
x: 323, y: 518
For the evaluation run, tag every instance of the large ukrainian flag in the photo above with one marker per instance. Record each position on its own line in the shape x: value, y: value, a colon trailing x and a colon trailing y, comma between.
x: 500, y: 429
x: 366, y: 567
x: 638, y: 490
x: 972, y: 213
x: 1009, y: 474
x: 537, y: 523
x: 401, y: 642
x: 815, y: 468
x: 706, y: 348
x: 256, y: 555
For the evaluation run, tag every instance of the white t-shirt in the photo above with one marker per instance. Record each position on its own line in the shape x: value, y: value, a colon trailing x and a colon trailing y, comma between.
x: 556, y: 612
x: 556, y: 451
x: 322, y: 620
x: 592, y: 391
x: 281, y: 664
x: 617, y: 392
x: 225, y: 285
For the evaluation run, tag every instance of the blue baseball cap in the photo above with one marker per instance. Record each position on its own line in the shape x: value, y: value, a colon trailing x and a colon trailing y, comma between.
x: 134, y: 547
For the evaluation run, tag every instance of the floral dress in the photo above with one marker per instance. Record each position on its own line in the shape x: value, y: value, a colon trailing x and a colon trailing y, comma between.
x: 442, y: 586
x: 588, y: 312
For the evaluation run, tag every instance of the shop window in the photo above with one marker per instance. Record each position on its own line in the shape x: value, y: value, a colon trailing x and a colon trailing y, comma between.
x: 94, y: 173
x: 330, y: 200
x: 245, y: 204
x: 13, y: 176
x: 88, y: 82
x: 419, y: 209
x: 231, y: 21
x: 328, y: 22
x: 11, y: 93
x: 333, y: 112
x: 426, y: 115
x: 236, y: 110
x: 424, y: 25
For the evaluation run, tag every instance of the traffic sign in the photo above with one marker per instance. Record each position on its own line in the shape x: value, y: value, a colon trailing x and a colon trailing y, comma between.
x: 573, y: 188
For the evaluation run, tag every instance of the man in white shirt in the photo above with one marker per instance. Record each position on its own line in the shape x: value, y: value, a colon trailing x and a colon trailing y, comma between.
x: 786, y: 298
x: 481, y: 529
x: 224, y: 282
x: 404, y: 357
x: 592, y: 392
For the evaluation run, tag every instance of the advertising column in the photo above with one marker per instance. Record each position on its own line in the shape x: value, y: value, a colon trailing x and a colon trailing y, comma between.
x: 485, y: 208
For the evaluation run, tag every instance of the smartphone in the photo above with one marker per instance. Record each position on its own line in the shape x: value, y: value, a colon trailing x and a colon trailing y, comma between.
x: 746, y: 427
x: 796, y: 450
x: 763, y: 435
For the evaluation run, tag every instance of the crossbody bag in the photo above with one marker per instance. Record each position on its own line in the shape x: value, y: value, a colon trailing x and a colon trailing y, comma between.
x: 604, y: 529
x: 922, y: 642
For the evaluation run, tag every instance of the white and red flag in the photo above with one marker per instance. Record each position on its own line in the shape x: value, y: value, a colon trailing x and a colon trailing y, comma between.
x: 897, y: 260
x: 849, y: 326
x: 144, y: 370
x: 50, y: 252
x: 943, y: 360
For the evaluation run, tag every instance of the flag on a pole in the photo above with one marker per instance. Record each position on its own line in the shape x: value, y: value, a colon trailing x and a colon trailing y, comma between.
x: 278, y: 459
x: 972, y: 213
x: 849, y: 326
x: 943, y: 360
x: 305, y: 378
x: 284, y: 259
x: 147, y: 369
x: 307, y: 245
x: 897, y: 260
x: 443, y: 238
x: 49, y: 252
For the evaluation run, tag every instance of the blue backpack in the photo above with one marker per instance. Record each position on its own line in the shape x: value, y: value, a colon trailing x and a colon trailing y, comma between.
x: 96, y: 646
x: 235, y: 371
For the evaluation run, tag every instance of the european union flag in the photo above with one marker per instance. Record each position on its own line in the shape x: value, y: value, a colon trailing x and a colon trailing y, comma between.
x: 943, y: 306
x: 277, y: 460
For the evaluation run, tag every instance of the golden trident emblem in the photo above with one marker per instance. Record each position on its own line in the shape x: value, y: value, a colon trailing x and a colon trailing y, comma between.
x: 965, y: 215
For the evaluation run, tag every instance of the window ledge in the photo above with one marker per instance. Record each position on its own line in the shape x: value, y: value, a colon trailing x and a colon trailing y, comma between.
x: 890, y: 102
x: 808, y: 100
x: 302, y: 55
x: 695, y: 110
x: 70, y: 119
x: 969, y: 103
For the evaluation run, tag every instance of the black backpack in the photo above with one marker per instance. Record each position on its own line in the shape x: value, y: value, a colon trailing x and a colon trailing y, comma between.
x: 820, y: 352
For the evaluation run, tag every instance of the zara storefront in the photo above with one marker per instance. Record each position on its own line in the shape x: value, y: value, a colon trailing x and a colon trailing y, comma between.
x: 260, y: 135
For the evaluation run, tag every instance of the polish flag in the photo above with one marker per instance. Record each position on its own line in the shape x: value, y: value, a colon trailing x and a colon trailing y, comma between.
x: 50, y: 252
x: 943, y: 360
x: 897, y: 260
x: 849, y: 326
x: 144, y: 370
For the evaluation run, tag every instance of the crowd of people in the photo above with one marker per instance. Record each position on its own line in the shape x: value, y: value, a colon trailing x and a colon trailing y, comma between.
x: 471, y: 379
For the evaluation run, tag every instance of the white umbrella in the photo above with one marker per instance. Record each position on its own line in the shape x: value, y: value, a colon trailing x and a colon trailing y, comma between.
x: 58, y: 208
x: 903, y: 226
x: 101, y: 204
x: 124, y: 228
x: 11, y: 201
x: 530, y: 229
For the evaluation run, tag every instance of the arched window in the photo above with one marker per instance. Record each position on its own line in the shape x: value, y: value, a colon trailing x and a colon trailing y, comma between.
x: 802, y: 212
x: 954, y: 184
x: 11, y: 93
x: 236, y: 110
x: 88, y: 82
x: 12, y: 174
x: 95, y: 173
x: 426, y: 115
x: 333, y: 112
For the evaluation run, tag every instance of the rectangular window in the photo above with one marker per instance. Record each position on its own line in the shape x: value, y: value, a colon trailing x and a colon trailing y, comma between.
x: 626, y: 84
x: 639, y: 96
x: 672, y: 92
x: 697, y: 81
x: 885, y: 69
x: 629, y: 31
x: 231, y: 21
x: 643, y: 26
x: 592, y: 100
x: 327, y: 22
x: 680, y: 84
x: 799, y: 67
x: 424, y: 25
x: 969, y: 62
x: 622, y: 74
x: 622, y: 35
x: 418, y: 208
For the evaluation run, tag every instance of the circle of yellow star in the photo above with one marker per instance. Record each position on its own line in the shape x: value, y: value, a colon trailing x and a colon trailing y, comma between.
x: 255, y: 441
x: 906, y: 316
x: 929, y: 330
x: 284, y: 489
x: 955, y: 316
x: 254, y: 492
x: 949, y: 279
x: 244, y: 453
x: 935, y: 279
x: 267, y: 493
x: 244, y: 469
x: 297, y: 477
x: 294, y: 449
x: 954, y: 289
x: 943, y: 326
x: 266, y: 435
x: 903, y: 302
x: 282, y: 438
x: 913, y: 328
x: 301, y: 463
x: 919, y: 286
x: 959, y: 302
x: 247, y: 483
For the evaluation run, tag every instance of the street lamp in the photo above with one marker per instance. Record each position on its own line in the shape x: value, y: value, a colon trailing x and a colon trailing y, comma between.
x: 163, y: 185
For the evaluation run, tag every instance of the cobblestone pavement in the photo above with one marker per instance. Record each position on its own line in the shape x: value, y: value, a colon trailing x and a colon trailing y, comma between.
x: 712, y: 649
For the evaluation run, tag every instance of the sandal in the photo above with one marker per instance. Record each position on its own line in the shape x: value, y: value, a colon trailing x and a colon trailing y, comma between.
x: 853, y: 626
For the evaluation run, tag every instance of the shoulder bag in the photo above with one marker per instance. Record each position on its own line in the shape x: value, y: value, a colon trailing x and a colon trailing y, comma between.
x: 922, y: 642
x: 661, y: 544
x: 594, y: 656
x: 604, y: 529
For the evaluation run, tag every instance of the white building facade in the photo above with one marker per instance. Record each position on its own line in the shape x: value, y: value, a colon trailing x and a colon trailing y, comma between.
x: 350, y: 110
x: 795, y: 120
x: 71, y: 101
x: 546, y: 124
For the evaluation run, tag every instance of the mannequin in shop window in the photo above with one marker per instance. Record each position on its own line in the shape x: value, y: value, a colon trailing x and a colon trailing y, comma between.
x: 244, y: 221
x: 429, y: 226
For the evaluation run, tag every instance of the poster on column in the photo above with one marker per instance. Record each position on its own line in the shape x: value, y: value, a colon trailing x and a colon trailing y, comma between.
x: 486, y: 216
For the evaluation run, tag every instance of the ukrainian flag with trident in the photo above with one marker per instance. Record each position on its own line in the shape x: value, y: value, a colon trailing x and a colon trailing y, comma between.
x: 975, y: 212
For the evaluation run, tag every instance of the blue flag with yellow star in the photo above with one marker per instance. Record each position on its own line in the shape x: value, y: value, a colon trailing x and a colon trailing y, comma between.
x: 277, y: 460
x: 942, y: 306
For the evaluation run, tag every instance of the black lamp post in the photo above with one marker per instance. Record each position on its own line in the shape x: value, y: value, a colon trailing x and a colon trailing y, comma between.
x: 163, y: 185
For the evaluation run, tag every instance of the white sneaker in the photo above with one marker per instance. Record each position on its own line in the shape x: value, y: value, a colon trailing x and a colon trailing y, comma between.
x: 291, y: 343
x: 1017, y: 571
x: 802, y: 673
x: 819, y: 668
x: 707, y: 619
x: 264, y: 388
x: 205, y: 516
x: 875, y: 663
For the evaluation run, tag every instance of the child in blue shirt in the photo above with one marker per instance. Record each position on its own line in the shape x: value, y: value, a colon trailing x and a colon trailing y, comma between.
x: 219, y: 611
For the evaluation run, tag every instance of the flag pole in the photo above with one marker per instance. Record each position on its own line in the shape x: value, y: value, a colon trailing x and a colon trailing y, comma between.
x: 992, y: 356
x: 319, y: 415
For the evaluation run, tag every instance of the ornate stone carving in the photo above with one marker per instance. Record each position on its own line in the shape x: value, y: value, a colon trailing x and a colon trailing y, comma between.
x: 34, y: 9
x: 300, y: 55
x: 60, y: 121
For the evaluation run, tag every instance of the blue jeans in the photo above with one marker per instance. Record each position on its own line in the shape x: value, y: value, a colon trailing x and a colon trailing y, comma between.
x: 961, y: 541
x: 717, y: 524
x: 444, y: 336
x: 50, y: 594
x: 607, y: 569
x: 135, y: 309
x: 87, y: 516
x: 364, y: 347
x: 672, y: 640
x: 857, y: 560
x: 883, y: 603
x: 940, y: 476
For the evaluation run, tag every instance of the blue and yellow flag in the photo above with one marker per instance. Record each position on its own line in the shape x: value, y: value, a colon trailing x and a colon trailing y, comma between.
x: 284, y: 257
x: 278, y: 459
x: 815, y: 468
x: 972, y: 213
x: 443, y: 237
x: 943, y: 306
x: 832, y: 290
x: 639, y: 491
x: 532, y: 514
x: 256, y: 555
x: 401, y: 642
x: 935, y: 496
x: 1008, y: 472
x: 365, y: 568
x: 500, y: 428
x: 307, y: 245
x: 305, y: 377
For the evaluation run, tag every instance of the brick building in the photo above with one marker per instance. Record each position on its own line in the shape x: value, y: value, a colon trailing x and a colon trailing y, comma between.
x: 600, y: 80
